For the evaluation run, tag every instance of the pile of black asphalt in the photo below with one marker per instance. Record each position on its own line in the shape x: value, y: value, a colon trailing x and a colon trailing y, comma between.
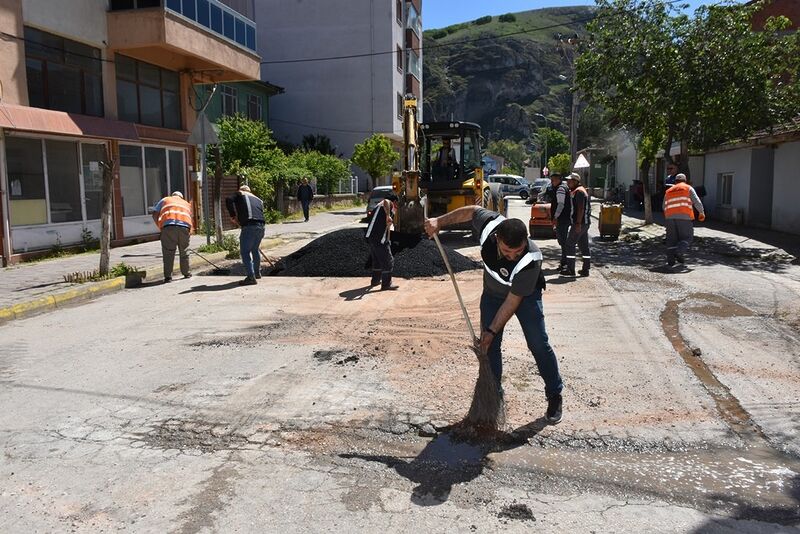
x: 344, y: 253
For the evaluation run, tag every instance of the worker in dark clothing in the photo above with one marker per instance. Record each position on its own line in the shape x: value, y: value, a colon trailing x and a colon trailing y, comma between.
x: 580, y: 218
x: 560, y: 211
x: 380, y: 245
x: 305, y: 195
x: 512, y: 285
x: 247, y: 211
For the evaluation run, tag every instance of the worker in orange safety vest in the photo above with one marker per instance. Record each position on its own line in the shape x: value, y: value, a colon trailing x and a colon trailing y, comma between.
x: 173, y: 216
x: 679, y: 200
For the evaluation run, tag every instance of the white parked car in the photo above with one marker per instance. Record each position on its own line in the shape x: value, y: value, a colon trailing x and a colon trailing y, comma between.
x: 510, y: 184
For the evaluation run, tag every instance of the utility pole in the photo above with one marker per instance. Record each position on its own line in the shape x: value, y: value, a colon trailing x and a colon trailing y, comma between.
x: 566, y: 44
x: 544, y: 164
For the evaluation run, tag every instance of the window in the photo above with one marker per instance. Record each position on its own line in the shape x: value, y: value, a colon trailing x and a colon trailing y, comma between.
x: 399, y: 59
x: 63, y: 75
x: 725, y: 188
x: 63, y: 180
x: 254, y: 108
x: 137, y: 4
x: 399, y: 106
x: 148, y: 174
x: 26, y: 182
x: 398, y: 11
x: 92, y: 156
x: 130, y: 178
x: 230, y: 100
x: 147, y: 94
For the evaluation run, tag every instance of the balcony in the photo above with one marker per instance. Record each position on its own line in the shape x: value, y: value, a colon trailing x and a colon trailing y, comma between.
x: 413, y: 20
x: 198, y: 35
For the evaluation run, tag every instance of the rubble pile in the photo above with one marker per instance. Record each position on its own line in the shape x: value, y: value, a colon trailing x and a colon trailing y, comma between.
x: 345, y: 253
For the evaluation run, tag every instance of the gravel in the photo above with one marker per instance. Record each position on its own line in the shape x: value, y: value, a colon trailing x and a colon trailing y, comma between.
x: 344, y: 253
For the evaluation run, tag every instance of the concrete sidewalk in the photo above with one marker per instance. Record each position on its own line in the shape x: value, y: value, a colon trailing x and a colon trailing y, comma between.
x: 36, y: 287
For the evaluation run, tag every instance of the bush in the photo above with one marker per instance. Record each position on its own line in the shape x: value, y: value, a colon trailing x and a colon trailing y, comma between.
x: 438, y: 34
x: 508, y: 17
x: 455, y: 27
x: 560, y: 163
x: 483, y: 20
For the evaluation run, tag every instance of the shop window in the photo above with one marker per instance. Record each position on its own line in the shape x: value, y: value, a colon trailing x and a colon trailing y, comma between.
x: 62, y: 74
x: 63, y: 181
x: 147, y: 94
x: 26, y: 184
x: 131, y: 182
x: 92, y: 157
x: 155, y: 171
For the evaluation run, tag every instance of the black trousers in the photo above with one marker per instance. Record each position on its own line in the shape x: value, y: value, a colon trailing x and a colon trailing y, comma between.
x: 382, y: 262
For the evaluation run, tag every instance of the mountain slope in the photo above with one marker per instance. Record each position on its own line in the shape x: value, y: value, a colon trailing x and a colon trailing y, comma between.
x: 473, y: 73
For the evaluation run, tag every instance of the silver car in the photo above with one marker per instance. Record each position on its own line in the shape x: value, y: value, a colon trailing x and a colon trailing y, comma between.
x: 510, y: 184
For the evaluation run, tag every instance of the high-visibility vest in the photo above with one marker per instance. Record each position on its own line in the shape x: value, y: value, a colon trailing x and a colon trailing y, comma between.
x: 586, y: 216
x: 678, y: 201
x: 174, y: 208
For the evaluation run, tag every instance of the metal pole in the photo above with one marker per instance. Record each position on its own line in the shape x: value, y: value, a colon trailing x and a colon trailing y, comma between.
x: 204, y: 177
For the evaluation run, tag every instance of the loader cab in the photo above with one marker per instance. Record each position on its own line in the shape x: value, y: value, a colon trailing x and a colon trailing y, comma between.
x: 450, y: 154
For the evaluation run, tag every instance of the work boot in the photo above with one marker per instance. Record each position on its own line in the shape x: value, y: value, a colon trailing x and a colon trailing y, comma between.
x: 167, y: 279
x: 553, y: 413
x: 386, y: 282
x: 258, y: 275
x: 569, y: 269
x: 376, y: 279
x: 679, y: 257
x: 189, y: 275
x: 249, y: 281
x: 585, y: 269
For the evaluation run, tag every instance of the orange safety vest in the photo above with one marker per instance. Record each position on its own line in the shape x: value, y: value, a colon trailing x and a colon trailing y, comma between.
x: 678, y: 201
x: 174, y: 208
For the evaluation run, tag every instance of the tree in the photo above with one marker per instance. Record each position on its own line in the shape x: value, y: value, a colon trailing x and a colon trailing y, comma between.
x: 318, y: 143
x: 105, y: 211
x: 556, y: 143
x: 245, y: 143
x: 376, y: 156
x: 560, y: 163
x: 514, y: 153
x: 701, y: 80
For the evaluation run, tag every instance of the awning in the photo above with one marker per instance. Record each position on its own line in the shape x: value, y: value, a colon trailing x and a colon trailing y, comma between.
x: 46, y: 121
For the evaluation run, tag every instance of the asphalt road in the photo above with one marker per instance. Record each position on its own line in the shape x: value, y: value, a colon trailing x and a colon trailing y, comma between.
x: 311, y: 405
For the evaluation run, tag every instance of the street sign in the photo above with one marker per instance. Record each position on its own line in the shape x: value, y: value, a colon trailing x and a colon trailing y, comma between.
x: 203, y: 132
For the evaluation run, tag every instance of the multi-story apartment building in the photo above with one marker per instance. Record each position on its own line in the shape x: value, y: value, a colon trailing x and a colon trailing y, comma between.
x: 85, y: 81
x: 345, y: 64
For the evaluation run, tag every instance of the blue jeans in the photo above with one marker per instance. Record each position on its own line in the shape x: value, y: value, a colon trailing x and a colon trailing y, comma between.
x: 531, y: 318
x: 249, y: 241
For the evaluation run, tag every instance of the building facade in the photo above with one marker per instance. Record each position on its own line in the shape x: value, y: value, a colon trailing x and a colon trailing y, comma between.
x: 100, y: 81
x: 345, y: 64
x: 249, y: 99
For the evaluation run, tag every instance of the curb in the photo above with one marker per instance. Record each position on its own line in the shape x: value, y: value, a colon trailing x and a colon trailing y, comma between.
x: 85, y: 292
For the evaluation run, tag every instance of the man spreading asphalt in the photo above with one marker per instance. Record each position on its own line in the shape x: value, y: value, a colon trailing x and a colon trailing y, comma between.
x: 380, y: 246
x: 680, y: 201
x: 560, y: 211
x: 512, y: 285
x: 580, y: 217
x: 173, y: 216
x: 247, y: 211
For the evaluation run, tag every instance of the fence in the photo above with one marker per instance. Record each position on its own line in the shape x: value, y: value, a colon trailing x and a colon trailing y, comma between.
x: 346, y: 186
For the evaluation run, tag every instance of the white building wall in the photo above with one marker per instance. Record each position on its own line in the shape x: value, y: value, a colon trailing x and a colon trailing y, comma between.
x: 785, y: 209
x: 345, y: 99
x: 732, y: 161
x: 80, y: 20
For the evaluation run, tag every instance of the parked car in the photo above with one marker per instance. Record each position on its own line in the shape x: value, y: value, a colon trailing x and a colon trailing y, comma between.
x: 538, y: 187
x: 510, y: 184
x: 375, y: 198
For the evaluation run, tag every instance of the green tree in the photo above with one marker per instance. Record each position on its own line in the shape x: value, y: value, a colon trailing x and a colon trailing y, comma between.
x: 319, y: 143
x: 556, y: 142
x: 513, y: 153
x: 245, y: 143
x: 561, y: 163
x: 328, y: 171
x: 701, y: 80
x: 376, y: 156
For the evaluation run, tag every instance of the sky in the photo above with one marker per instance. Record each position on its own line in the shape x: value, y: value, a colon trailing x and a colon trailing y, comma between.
x: 441, y: 13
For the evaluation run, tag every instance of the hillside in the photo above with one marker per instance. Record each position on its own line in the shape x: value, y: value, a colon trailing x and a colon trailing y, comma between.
x: 501, y: 82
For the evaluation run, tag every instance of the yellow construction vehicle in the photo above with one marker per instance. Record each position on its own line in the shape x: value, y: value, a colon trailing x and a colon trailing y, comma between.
x: 441, y: 164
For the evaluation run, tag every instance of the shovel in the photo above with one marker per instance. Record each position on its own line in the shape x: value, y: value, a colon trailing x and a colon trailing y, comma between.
x: 217, y: 268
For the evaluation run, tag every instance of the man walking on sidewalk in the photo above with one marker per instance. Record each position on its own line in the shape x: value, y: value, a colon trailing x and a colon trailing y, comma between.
x: 580, y: 217
x: 247, y: 211
x: 560, y: 210
x: 679, y: 201
x: 173, y: 216
x: 305, y: 195
x: 512, y: 285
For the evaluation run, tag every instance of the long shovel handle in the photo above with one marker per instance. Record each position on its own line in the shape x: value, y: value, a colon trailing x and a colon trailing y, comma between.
x: 452, y: 278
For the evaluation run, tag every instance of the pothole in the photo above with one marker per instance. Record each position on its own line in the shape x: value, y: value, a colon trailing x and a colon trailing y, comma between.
x: 519, y: 512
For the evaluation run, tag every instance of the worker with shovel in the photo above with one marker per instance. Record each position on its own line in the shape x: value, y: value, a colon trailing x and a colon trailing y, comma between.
x: 247, y: 211
x: 512, y: 285
x: 173, y: 216
x: 380, y: 246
